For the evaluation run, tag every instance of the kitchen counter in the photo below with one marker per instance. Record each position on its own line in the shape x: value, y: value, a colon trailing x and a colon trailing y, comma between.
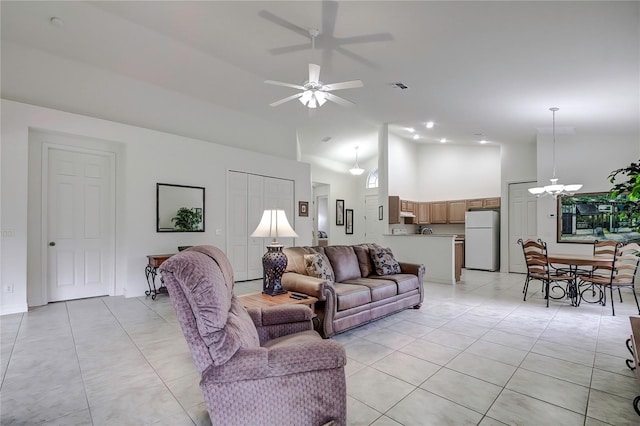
x: 435, y: 251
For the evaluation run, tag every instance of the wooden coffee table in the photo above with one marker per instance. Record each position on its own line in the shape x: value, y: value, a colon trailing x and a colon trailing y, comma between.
x: 260, y: 300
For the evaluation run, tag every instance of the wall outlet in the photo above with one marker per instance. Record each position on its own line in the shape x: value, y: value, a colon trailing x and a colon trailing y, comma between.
x: 218, y: 231
x: 8, y: 288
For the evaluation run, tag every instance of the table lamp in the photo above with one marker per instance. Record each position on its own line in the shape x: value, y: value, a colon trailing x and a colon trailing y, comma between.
x: 273, y: 224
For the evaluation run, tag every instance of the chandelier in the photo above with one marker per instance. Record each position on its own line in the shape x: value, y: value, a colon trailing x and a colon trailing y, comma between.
x: 555, y: 189
x: 356, y: 170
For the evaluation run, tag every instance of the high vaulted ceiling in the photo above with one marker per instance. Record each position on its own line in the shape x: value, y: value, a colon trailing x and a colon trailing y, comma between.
x: 479, y: 70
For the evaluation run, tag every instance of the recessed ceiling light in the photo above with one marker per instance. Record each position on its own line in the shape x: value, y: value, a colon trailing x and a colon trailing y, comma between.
x: 483, y: 141
x: 416, y: 137
x: 429, y: 125
x: 410, y: 129
x: 443, y: 140
x: 326, y: 139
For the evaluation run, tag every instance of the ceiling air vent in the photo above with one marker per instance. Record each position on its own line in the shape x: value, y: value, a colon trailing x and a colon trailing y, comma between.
x: 400, y: 86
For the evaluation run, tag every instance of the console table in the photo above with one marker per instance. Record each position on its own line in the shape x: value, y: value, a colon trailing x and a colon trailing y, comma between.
x: 151, y: 270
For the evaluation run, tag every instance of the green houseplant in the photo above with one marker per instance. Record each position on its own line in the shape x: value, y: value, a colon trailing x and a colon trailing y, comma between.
x: 187, y: 219
x: 631, y: 186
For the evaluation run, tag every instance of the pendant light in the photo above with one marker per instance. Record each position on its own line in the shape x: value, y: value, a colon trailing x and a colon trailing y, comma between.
x: 356, y: 170
x: 555, y: 189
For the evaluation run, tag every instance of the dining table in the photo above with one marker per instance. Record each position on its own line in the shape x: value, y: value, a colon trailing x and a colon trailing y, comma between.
x: 574, y: 261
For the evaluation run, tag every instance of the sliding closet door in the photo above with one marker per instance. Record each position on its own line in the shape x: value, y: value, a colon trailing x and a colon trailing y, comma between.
x: 256, y: 246
x: 249, y: 195
x: 238, y: 231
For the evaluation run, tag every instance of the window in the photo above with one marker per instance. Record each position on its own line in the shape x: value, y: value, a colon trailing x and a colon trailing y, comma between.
x: 372, y: 179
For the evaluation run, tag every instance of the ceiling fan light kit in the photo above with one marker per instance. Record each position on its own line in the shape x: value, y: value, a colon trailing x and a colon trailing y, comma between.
x: 555, y: 189
x: 314, y: 93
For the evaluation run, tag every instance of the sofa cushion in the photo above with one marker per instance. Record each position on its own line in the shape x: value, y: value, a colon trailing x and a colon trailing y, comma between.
x: 318, y: 266
x: 295, y: 259
x: 380, y: 288
x: 344, y: 262
x: 351, y: 295
x: 364, y: 259
x: 384, y: 261
x: 405, y: 282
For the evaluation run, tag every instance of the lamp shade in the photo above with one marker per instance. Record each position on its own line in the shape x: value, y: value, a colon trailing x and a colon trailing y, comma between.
x: 274, y: 224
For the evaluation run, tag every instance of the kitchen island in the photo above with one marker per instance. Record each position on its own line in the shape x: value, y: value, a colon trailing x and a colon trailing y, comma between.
x: 435, y: 251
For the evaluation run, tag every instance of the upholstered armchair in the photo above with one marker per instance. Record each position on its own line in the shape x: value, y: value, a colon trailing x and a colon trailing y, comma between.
x: 262, y: 366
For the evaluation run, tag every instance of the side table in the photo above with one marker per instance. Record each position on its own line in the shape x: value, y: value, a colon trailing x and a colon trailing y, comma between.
x: 151, y: 270
x: 261, y: 300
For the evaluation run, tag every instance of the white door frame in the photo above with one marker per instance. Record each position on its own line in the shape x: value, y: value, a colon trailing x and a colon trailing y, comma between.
x: 46, y: 147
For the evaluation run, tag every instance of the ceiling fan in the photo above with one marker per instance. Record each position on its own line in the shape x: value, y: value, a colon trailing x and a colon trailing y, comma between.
x: 328, y: 41
x: 315, y: 93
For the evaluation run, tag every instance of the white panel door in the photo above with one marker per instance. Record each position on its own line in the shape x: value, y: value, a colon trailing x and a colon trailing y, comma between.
x: 278, y: 194
x: 80, y: 224
x: 523, y: 222
x: 255, y: 207
x: 372, y: 235
x: 238, y: 228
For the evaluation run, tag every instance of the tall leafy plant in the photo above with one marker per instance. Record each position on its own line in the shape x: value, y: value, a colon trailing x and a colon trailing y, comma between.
x: 629, y: 186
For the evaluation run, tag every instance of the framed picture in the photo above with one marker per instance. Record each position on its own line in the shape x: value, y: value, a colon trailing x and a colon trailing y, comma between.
x: 349, y: 228
x: 303, y: 208
x: 339, y: 212
x: 380, y: 215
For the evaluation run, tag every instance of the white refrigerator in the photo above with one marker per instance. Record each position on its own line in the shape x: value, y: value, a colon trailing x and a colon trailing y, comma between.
x: 482, y: 240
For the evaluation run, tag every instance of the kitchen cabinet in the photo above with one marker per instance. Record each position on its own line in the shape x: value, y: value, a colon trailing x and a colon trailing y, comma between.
x: 394, y: 209
x: 491, y: 203
x: 483, y: 203
x: 456, y: 211
x: 459, y: 259
x: 424, y: 213
x: 439, y: 212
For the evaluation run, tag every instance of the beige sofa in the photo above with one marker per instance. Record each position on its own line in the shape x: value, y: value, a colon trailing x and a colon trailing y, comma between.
x: 358, y: 294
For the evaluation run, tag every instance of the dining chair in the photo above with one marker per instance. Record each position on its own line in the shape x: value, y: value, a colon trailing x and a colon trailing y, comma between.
x: 538, y: 268
x: 593, y: 293
x: 621, y: 273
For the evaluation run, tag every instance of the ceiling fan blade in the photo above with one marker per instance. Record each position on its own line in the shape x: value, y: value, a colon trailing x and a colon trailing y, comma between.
x: 329, y: 14
x: 279, y: 83
x: 314, y: 72
x: 344, y: 85
x: 284, y: 23
x: 368, y: 38
x: 287, y: 99
x: 337, y: 99
x: 288, y: 49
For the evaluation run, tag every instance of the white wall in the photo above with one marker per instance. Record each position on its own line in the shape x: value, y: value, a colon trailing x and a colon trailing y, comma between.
x: 147, y: 157
x: 403, y: 168
x: 456, y: 172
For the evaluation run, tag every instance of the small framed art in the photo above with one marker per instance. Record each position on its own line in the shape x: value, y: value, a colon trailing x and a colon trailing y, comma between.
x: 380, y: 214
x: 349, y: 221
x: 303, y: 208
x: 339, y: 212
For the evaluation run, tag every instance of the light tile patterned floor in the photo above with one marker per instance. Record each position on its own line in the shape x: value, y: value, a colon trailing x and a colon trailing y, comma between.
x: 474, y: 354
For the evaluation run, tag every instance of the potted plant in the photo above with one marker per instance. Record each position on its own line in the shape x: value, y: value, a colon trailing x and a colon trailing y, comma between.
x: 187, y: 219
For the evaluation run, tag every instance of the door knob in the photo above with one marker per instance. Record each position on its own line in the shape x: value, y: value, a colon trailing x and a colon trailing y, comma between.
x: 52, y: 243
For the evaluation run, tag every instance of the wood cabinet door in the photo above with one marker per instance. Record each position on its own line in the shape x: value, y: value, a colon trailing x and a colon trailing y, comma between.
x: 457, y: 210
x: 475, y: 204
x: 394, y: 209
x: 403, y: 205
x: 491, y: 203
x: 424, y: 213
x: 439, y: 212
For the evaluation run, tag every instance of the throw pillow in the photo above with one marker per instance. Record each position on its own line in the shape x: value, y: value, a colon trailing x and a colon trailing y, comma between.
x: 384, y: 262
x: 318, y: 266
